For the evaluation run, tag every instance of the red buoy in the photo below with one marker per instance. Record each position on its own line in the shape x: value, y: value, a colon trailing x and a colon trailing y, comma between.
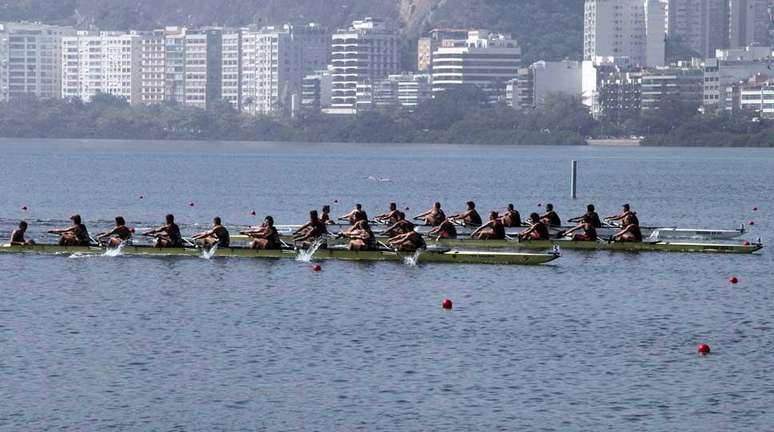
x: 752, y: 222
x: 141, y: 197
x: 335, y: 201
x: 703, y: 349
x: 447, y: 304
x: 407, y: 209
x: 540, y: 204
x: 733, y: 280
x: 755, y: 208
x: 252, y: 212
x: 191, y: 204
x: 24, y: 208
x: 316, y: 267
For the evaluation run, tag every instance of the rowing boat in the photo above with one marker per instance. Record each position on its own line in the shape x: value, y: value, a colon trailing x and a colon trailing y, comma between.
x: 439, y: 255
x: 655, y: 233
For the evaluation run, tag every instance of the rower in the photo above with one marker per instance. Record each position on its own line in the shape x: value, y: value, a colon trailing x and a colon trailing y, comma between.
x: 511, y: 218
x: 75, y: 235
x: 391, y: 216
x: 630, y: 233
x: 433, y: 217
x: 446, y: 230
x: 326, y: 215
x: 352, y: 216
x: 119, y: 234
x: 551, y: 217
x: 492, y: 230
x: 590, y: 213
x: 17, y: 236
x: 401, y: 226
x: 469, y: 217
x: 409, y: 242
x: 217, y: 236
x: 589, y: 230
x: 167, y: 235
x: 538, y: 230
x: 266, y: 236
x: 360, y: 235
x: 627, y: 215
x: 311, y: 230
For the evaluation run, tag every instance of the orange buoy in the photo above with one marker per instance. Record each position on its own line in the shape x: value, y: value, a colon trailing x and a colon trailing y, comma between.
x: 316, y: 267
x: 447, y: 304
x: 733, y: 280
x: 703, y: 349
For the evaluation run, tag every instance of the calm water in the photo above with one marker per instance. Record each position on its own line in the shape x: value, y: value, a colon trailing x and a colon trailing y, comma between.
x: 596, y: 341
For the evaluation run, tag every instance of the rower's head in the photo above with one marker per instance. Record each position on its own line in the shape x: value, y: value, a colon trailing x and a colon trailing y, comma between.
x: 626, y: 207
x: 269, y: 221
x: 326, y: 209
x: 401, y: 215
x: 23, y: 225
x: 120, y: 221
x: 437, y: 205
x: 510, y: 207
x: 170, y: 218
x: 534, y: 217
x: 313, y: 216
x: 216, y: 221
x: 76, y: 218
x: 549, y: 206
x: 359, y: 207
x: 471, y: 205
x: 494, y: 215
x: 590, y: 208
x: 393, y: 206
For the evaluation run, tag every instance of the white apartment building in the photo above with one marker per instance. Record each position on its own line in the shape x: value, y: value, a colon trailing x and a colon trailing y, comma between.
x: 559, y: 77
x: 232, y: 68
x: 615, y: 28
x: 487, y: 60
x: 413, y: 89
x: 31, y: 60
x: 203, y: 65
x: 101, y: 62
x: 748, y: 23
x: 700, y: 25
x: 656, y: 26
x: 758, y: 97
x: 152, y: 67
x: 275, y: 61
x: 720, y: 75
x: 174, y: 64
x: 368, y: 50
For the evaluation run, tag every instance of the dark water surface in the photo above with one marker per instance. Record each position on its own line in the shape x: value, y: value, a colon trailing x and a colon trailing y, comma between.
x: 594, y: 341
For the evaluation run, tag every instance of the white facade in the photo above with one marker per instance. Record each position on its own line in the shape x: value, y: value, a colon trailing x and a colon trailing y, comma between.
x: 152, y: 68
x: 203, y: 67
x: 720, y: 74
x: 744, y: 54
x: 615, y: 28
x: 758, y: 98
x: 31, y: 60
x: 368, y: 50
x: 748, y: 23
x: 487, y: 60
x: 700, y: 25
x: 275, y: 61
x: 105, y: 62
x: 562, y: 77
x: 232, y: 68
x: 174, y: 64
x: 655, y: 32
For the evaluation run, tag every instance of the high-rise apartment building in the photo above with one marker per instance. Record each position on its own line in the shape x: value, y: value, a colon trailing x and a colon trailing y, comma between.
x: 437, y: 38
x: 31, y: 60
x: 275, y: 61
x: 152, y: 67
x: 748, y: 23
x: 656, y: 19
x: 487, y: 60
x: 203, y: 67
x: 174, y: 64
x: 368, y: 50
x: 232, y: 68
x: 101, y: 62
x: 699, y: 25
x: 615, y: 28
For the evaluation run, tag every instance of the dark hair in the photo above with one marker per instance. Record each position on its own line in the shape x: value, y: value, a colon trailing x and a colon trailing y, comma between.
x: 326, y: 208
x: 590, y: 207
x: 494, y: 215
x: 120, y: 221
x: 534, y: 216
x: 626, y: 207
x: 510, y: 206
x: 216, y: 220
x: 393, y: 206
x: 471, y: 204
x: 170, y: 218
x: 23, y: 224
x: 358, y: 206
x: 437, y: 204
x: 401, y: 215
x: 270, y: 219
x: 549, y: 206
x: 76, y: 218
x: 313, y: 215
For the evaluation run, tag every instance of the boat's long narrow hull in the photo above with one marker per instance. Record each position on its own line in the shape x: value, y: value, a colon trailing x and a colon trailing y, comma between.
x: 461, y: 257
x: 660, y: 246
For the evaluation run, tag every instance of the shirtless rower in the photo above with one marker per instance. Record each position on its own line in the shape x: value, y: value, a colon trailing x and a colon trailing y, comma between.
x: 401, y: 226
x: 551, y: 217
x: 432, y: 217
x: 538, y: 230
x: 75, y: 235
x: 167, y: 235
x: 630, y: 232
x: 360, y: 236
x: 589, y: 230
x: 119, y: 234
x: 391, y: 216
x: 325, y: 217
x: 265, y: 236
x: 492, y: 230
x: 17, y: 236
x: 353, y: 215
x: 511, y: 218
x: 311, y: 230
x: 217, y: 236
x: 408, y: 242
x: 446, y: 230
x: 469, y: 217
x: 590, y: 213
x: 626, y: 213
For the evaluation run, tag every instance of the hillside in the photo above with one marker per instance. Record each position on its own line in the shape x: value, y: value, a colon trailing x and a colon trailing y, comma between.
x: 547, y: 29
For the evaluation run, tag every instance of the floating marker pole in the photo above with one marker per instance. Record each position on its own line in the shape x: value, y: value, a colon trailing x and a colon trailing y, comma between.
x: 574, y: 179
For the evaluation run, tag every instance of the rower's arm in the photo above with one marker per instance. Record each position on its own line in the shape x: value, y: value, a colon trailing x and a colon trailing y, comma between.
x: 303, y: 227
x: 482, y: 227
x: 572, y: 230
x: 423, y: 214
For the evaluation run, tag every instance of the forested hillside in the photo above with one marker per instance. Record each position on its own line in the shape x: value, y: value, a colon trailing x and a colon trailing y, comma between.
x: 549, y: 29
